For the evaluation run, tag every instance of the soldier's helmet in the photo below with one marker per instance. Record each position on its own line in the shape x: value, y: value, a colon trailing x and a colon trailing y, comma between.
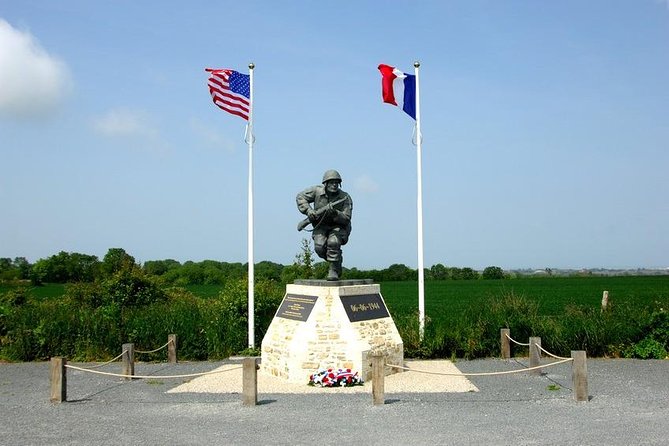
x: 331, y: 175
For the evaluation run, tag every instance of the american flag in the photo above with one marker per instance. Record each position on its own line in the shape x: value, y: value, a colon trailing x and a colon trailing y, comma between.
x: 230, y: 90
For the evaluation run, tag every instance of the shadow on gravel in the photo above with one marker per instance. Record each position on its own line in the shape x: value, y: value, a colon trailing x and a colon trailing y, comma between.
x: 265, y: 402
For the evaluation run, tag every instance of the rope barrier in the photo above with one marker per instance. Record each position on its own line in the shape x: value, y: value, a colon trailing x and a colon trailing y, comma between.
x: 191, y: 375
x: 153, y: 351
x: 549, y: 353
x: 508, y: 372
x: 110, y: 361
x: 516, y: 342
x: 538, y: 346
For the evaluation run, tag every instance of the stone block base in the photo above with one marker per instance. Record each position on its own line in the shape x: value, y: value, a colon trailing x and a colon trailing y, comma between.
x: 329, y: 325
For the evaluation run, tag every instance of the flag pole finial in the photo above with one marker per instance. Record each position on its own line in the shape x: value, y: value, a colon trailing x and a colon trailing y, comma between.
x: 251, y: 66
x: 416, y: 64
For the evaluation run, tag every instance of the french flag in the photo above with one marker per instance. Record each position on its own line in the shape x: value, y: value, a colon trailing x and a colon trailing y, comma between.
x: 397, y: 85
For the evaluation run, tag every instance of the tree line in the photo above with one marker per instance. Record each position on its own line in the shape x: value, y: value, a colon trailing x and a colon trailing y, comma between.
x: 74, y: 267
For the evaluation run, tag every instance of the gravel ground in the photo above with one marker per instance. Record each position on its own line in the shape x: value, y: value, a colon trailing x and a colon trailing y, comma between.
x: 629, y: 404
x: 230, y: 381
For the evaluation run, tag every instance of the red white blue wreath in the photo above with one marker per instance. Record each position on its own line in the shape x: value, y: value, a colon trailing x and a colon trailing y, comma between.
x: 335, y: 378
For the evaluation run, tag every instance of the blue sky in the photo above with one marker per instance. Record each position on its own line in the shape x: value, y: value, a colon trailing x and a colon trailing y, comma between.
x: 545, y: 129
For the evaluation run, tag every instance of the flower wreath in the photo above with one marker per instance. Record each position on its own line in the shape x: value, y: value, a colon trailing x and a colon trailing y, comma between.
x: 335, y: 378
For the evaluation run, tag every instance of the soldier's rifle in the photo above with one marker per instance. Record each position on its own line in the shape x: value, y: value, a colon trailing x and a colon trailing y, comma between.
x: 319, y: 213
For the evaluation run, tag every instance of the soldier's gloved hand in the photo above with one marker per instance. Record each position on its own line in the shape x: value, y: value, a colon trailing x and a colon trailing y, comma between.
x: 311, y: 214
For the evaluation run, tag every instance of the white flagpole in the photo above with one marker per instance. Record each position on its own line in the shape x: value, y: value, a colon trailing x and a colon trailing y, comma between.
x: 251, y: 280
x: 419, y: 210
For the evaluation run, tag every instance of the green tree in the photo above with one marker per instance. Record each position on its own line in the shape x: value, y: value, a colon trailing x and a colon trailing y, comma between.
x: 24, y: 267
x: 57, y: 267
x: 463, y: 273
x: 305, y: 259
x: 303, y: 265
x: 7, y: 269
x: 399, y: 272
x: 131, y: 287
x: 160, y: 267
x: 439, y: 272
x: 268, y: 270
x: 82, y: 268
x: 321, y: 270
x: 355, y: 273
x: 469, y: 274
x: 39, y: 272
x: 116, y: 260
x: 493, y: 272
x: 63, y: 267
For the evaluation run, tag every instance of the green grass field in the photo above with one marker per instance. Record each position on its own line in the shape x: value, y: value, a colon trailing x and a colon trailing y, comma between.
x: 52, y: 290
x: 446, y: 300
x: 450, y: 299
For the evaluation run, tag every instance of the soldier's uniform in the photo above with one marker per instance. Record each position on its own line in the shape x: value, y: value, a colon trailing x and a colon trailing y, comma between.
x: 331, y: 231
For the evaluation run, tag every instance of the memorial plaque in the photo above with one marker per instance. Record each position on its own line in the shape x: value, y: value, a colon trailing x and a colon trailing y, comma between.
x: 296, y: 307
x: 364, y: 307
x: 322, y: 326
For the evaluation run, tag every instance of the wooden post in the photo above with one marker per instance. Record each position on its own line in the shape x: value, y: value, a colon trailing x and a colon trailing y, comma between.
x: 605, y: 301
x: 535, y: 355
x: 378, y: 379
x: 505, y: 346
x: 249, y: 382
x: 172, y: 349
x: 128, y: 359
x: 58, y: 374
x: 579, y: 375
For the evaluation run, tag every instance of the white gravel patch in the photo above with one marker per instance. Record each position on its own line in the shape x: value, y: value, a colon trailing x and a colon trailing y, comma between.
x: 230, y: 381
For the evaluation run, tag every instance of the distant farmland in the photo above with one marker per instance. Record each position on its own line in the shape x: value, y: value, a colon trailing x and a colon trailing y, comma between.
x: 451, y: 298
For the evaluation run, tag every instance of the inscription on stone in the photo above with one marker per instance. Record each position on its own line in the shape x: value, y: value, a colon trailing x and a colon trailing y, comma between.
x: 296, y: 307
x: 364, y: 307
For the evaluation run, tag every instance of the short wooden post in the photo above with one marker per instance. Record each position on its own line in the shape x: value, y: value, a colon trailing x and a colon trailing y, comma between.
x: 249, y: 382
x: 505, y: 346
x: 172, y: 349
x: 605, y: 301
x: 128, y: 359
x: 378, y: 379
x: 579, y: 375
x: 57, y: 370
x: 535, y: 354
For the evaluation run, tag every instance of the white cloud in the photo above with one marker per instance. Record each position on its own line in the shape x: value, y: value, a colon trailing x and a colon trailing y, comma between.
x: 32, y: 82
x: 365, y: 184
x: 211, y: 137
x: 136, y: 126
x: 124, y: 122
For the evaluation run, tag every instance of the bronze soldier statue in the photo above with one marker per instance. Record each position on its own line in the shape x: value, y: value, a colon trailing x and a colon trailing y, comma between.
x: 330, y: 217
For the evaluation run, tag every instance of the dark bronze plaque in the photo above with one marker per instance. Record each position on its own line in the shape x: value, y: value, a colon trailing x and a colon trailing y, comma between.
x: 296, y: 307
x: 364, y: 307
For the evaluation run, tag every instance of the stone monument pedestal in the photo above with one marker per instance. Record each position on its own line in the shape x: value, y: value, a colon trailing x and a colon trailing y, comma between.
x: 322, y: 324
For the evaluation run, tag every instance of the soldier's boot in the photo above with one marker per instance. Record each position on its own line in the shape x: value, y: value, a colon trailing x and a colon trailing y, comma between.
x: 333, y: 274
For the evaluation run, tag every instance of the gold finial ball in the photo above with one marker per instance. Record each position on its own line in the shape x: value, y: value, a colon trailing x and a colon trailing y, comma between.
x: 416, y: 64
x: 251, y: 66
